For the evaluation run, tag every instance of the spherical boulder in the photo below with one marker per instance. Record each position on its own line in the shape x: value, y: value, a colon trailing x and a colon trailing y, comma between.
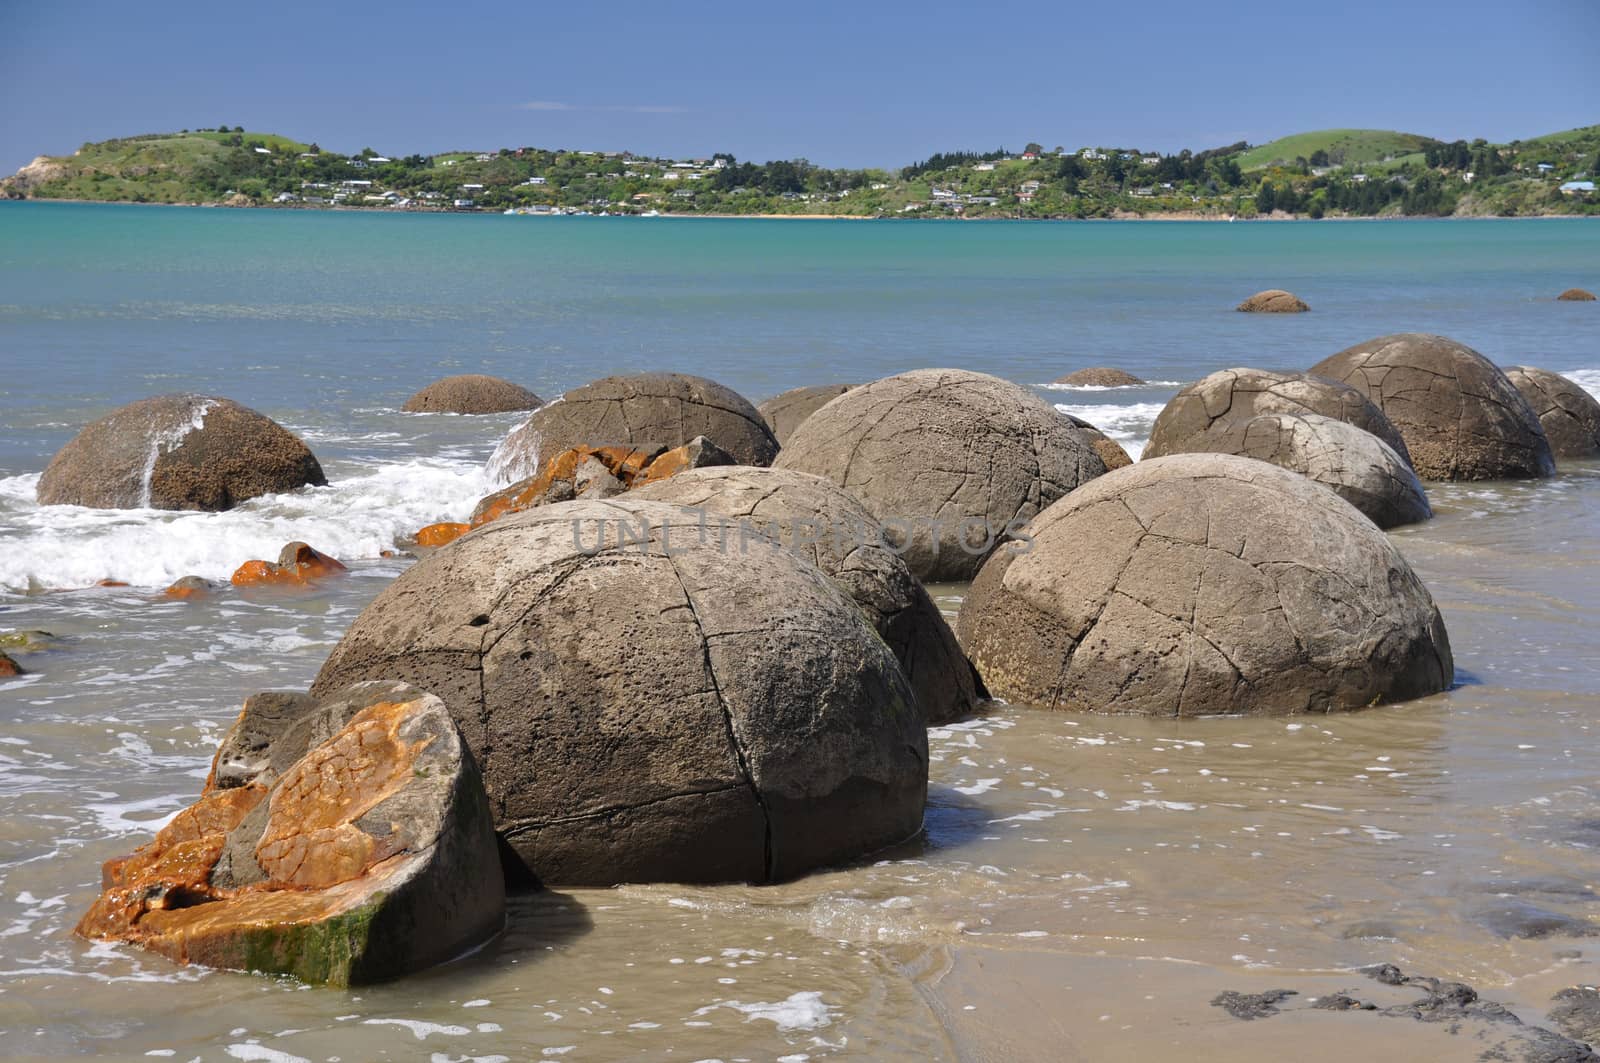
x: 1576, y: 295
x: 784, y: 412
x: 1462, y: 419
x: 647, y: 705
x: 1569, y: 415
x: 1217, y: 404
x: 1273, y: 301
x: 178, y: 452
x: 753, y: 509
x: 472, y: 393
x: 646, y: 411
x: 1099, y: 376
x: 1355, y: 464
x: 1109, y: 449
x: 950, y: 462
x: 1202, y: 584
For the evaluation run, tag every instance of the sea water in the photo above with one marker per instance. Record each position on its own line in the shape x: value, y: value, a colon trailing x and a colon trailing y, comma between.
x: 1086, y: 884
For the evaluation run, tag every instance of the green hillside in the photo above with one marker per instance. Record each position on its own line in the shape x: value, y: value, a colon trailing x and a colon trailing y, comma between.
x: 1344, y: 147
x: 154, y: 167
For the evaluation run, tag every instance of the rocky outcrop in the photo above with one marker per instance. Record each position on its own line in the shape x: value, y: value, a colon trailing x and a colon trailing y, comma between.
x: 1576, y: 295
x: 298, y: 565
x: 1099, y: 376
x: 949, y: 462
x: 472, y: 393
x: 646, y: 411
x: 750, y: 509
x: 1201, y: 584
x: 42, y: 170
x: 341, y: 841
x: 1462, y: 419
x: 1273, y: 301
x: 1569, y: 415
x: 650, y: 706
x: 596, y: 472
x: 1356, y: 465
x: 1216, y: 405
x: 178, y: 452
x: 1109, y: 450
x: 783, y: 413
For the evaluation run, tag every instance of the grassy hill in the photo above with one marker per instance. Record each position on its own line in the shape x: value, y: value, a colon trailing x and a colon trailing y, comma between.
x: 1348, y: 147
x: 153, y: 168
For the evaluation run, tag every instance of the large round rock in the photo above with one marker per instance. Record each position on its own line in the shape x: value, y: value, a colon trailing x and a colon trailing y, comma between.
x: 646, y: 411
x: 752, y: 509
x: 1460, y: 416
x: 1355, y: 464
x: 1218, y: 404
x: 1569, y: 415
x: 1201, y: 584
x: 472, y: 393
x: 951, y: 462
x: 649, y: 706
x: 784, y: 412
x: 1099, y: 376
x: 178, y: 452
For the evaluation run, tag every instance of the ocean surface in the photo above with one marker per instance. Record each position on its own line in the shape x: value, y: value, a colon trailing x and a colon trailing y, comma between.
x: 1086, y: 885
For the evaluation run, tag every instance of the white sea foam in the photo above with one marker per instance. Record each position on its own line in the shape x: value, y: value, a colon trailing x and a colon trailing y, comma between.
x: 359, y: 515
x: 801, y: 1011
x: 1588, y: 379
x: 1128, y: 424
x: 1112, y: 387
x: 251, y: 1050
x: 419, y: 1029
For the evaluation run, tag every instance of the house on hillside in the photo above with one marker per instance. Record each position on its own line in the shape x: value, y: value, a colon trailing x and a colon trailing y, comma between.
x: 984, y: 167
x: 1545, y: 167
x: 1578, y: 188
x: 263, y: 151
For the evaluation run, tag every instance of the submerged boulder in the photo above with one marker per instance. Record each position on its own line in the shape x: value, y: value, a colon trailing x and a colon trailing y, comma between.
x: 784, y: 412
x: 472, y: 393
x: 9, y: 668
x: 1569, y: 415
x: 948, y: 461
x: 1202, y: 584
x: 650, y: 706
x: 299, y: 564
x: 178, y: 452
x: 341, y: 841
x: 645, y: 411
x: 1576, y: 295
x: 1356, y: 465
x: 1462, y: 419
x: 1273, y: 301
x: 756, y: 509
x: 1218, y: 404
x: 1099, y: 376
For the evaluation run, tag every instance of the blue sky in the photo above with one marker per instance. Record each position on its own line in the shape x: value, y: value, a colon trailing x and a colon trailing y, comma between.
x: 839, y: 83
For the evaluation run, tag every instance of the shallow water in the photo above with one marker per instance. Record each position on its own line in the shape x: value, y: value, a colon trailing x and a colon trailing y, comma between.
x: 1086, y: 885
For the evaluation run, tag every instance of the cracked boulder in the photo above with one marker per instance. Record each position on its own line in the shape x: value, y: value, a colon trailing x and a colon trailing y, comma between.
x: 649, y: 704
x: 784, y: 412
x: 1354, y: 464
x: 178, y: 452
x: 1462, y: 419
x: 1201, y: 584
x: 342, y: 841
x: 759, y: 509
x: 1218, y: 404
x: 472, y: 393
x: 645, y: 411
x: 1569, y: 415
x: 950, y: 462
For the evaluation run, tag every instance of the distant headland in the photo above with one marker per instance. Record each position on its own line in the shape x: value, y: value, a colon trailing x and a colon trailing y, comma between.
x: 1334, y: 173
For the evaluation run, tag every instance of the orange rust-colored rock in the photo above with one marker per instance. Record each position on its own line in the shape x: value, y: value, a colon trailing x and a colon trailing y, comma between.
x: 556, y: 480
x: 442, y: 534
x: 298, y: 565
x: 356, y: 858
x: 9, y: 667
x: 1576, y: 295
x: 189, y: 588
x: 698, y: 453
x: 110, y: 583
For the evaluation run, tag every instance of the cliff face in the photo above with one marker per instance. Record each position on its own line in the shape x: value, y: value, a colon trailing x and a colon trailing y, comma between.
x: 41, y: 170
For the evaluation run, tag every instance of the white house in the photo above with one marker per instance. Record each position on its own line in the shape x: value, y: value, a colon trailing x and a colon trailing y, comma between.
x: 984, y: 167
x: 472, y: 188
x: 536, y: 181
x: 1578, y: 188
x: 1544, y: 167
x: 263, y: 151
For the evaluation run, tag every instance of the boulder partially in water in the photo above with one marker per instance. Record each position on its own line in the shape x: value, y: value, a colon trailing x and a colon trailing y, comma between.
x: 472, y: 393
x: 178, y: 452
x: 1202, y: 584
x: 1216, y: 405
x: 950, y: 461
x: 645, y: 411
x: 649, y: 706
x: 1099, y: 376
x: 189, y: 588
x: 1355, y: 464
x: 785, y: 411
x: 1569, y: 415
x: 9, y: 668
x: 1273, y: 301
x: 1462, y: 419
x: 1109, y: 449
x: 1576, y: 295
x: 751, y: 509
x: 342, y: 841
x: 298, y: 565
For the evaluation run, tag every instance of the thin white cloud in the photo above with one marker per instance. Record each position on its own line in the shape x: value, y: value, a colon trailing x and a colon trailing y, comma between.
x: 556, y: 105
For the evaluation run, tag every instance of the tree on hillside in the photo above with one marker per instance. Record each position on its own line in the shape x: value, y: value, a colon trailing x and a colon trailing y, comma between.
x: 1319, y: 157
x: 1032, y: 149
